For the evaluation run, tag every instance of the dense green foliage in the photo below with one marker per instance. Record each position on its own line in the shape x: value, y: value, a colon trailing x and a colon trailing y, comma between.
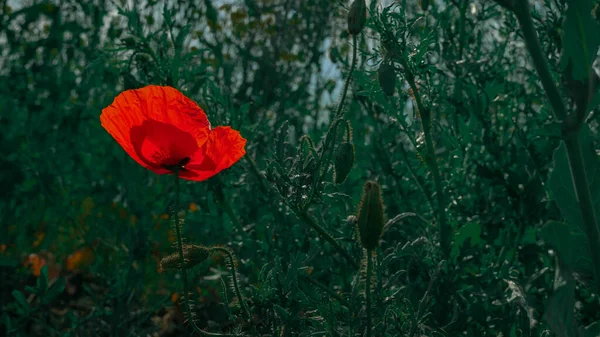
x: 482, y: 140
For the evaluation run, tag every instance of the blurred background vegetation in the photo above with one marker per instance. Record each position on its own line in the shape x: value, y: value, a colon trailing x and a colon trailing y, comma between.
x: 83, y: 227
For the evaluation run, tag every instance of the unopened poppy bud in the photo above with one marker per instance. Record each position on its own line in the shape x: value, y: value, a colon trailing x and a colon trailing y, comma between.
x: 357, y: 16
x: 370, y: 218
x: 386, y: 76
x: 344, y: 160
x: 192, y: 256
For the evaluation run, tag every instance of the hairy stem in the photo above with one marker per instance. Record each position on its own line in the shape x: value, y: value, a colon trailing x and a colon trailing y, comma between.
x: 234, y: 278
x: 186, y: 299
x: 576, y: 163
x: 368, y: 289
x: 430, y: 160
x: 314, y: 225
x: 331, y: 133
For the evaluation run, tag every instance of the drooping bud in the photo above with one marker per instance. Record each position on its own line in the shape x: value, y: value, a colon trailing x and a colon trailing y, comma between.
x: 357, y: 16
x: 344, y: 160
x: 370, y: 218
x: 386, y: 76
x: 192, y: 256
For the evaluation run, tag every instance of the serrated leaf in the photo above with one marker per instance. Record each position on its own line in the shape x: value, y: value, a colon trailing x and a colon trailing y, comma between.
x: 561, y: 182
x: 595, y: 101
x: 282, y: 134
x: 284, y: 314
x: 181, y: 36
x: 580, y: 38
x: 167, y: 16
x: 570, y: 243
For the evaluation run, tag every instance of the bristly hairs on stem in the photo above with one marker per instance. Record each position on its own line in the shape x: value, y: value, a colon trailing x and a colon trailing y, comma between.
x: 233, y: 266
x: 186, y: 295
x: 368, y: 285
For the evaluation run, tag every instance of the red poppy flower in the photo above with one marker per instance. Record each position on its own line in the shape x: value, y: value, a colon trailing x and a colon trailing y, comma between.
x: 163, y: 130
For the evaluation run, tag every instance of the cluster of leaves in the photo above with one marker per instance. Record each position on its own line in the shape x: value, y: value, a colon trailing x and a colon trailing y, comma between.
x: 438, y: 100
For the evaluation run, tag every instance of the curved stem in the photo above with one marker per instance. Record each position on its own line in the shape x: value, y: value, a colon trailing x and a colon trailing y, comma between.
x: 430, y: 160
x: 540, y: 61
x: 572, y: 145
x: 234, y: 278
x: 332, y: 130
x: 314, y: 225
x: 368, y: 289
x: 186, y: 299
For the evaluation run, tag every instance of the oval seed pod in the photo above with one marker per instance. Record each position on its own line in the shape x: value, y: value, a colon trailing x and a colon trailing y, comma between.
x: 192, y: 256
x: 386, y: 76
x: 357, y: 16
x: 344, y: 160
x: 370, y: 218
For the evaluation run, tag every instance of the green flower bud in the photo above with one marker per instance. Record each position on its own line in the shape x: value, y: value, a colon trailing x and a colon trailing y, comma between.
x: 386, y: 76
x: 370, y: 218
x: 357, y: 16
x: 344, y: 160
x: 192, y: 256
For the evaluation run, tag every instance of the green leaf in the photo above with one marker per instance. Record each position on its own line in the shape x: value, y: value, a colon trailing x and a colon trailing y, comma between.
x: 21, y: 300
x: 595, y: 101
x: 55, y: 290
x: 560, y: 308
x: 570, y: 243
x: 472, y: 231
x: 42, y: 281
x: 282, y: 135
x: 580, y: 38
x: 592, y: 330
x: 561, y: 182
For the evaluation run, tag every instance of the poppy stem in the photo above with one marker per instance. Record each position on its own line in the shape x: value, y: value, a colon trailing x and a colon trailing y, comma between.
x: 368, y: 289
x: 234, y: 277
x: 331, y: 133
x: 314, y: 225
x: 186, y: 299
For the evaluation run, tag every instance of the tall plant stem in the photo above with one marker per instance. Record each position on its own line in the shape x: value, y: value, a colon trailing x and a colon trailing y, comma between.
x: 368, y: 289
x: 331, y: 133
x: 572, y: 145
x: 431, y: 161
x: 314, y: 225
x: 234, y: 278
x: 186, y: 299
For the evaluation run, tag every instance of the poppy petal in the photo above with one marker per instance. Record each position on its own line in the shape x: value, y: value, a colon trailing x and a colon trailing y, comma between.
x: 159, y: 145
x: 224, y: 147
x: 135, y: 117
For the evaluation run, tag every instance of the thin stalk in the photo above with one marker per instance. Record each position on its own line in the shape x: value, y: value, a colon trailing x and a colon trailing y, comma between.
x: 540, y: 61
x: 324, y: 288
x: 186, y: 300
x: 314, y: 225
x: 331, y: 133
x: 431, y: 161
x: 224, y: 202
x: 234, y: 278
x: 576, y: 163
x: 368, y: 289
